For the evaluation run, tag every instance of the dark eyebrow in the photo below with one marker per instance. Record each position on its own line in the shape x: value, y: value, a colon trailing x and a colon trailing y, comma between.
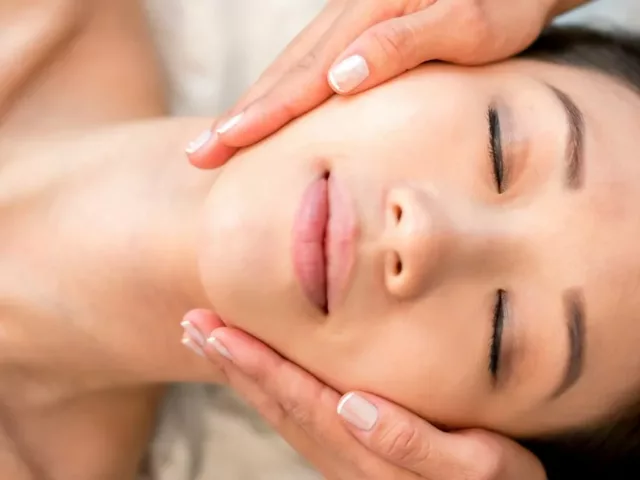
x: 574, y: 312
x: 574, y: 154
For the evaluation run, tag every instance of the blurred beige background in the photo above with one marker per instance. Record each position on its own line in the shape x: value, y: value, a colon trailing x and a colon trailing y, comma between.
x: 212, y: 51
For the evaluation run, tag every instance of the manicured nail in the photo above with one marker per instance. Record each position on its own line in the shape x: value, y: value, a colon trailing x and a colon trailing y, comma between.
x: 191, y: 345
x: 199, y: 142
x: 220, y: 348
x: 349, y: 74
x: 229, y: 124
x: 195, y: 334
x: 358, y: 412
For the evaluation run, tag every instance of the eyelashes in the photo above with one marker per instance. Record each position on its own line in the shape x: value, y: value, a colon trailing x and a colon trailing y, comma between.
x: 499, y: 314
x: 495, y: 148
x: 500, y: 302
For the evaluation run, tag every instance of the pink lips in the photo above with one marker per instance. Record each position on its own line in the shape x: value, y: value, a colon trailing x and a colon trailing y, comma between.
x: 309, y: 231
x: 324, y: 234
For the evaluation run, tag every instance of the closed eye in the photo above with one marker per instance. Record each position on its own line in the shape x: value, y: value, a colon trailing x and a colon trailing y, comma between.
x: 495, y: 148
x: 499, y: 314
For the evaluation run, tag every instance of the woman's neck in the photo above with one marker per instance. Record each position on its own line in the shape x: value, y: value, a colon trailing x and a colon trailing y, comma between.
x: 102, y: 232
x: 97, y: 266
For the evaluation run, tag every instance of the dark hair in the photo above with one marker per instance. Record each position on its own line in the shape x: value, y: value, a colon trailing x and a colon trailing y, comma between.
x: 610, y: 450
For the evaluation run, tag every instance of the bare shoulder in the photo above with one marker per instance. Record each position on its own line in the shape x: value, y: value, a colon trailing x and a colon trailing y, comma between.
x: 63, y: 65
x: 30, y: 34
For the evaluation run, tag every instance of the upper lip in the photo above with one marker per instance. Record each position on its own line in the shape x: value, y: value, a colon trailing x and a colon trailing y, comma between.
x: 324, y: 236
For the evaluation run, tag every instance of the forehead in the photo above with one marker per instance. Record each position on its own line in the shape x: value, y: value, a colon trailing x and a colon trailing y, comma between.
x: 604, y: 231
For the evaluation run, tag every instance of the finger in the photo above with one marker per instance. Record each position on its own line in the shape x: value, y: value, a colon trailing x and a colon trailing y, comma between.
x: 392, y: 47
x: 304, y: 86
x: 203, y: 320
x: 197, y: 324
x: 294, y: 388
x: 304, y: 405
x: 207, y: 151
x: 412, y: 443
x: 271, y: 411
x: 386, y: 50
x: 293, y: 53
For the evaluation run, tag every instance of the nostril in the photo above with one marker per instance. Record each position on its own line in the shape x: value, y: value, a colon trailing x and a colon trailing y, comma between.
x: 393, y: 265
x: 397, y: 213
x: 398, y: 268
x: 397, y: 265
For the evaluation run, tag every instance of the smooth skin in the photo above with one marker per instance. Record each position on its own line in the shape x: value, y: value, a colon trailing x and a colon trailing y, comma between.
x: 297, y: 82
x: 80, y: 363
x: 93, y: 323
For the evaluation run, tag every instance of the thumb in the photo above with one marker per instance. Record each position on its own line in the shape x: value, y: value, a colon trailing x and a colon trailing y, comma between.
x: 387, y: 50
x: 411, y: 443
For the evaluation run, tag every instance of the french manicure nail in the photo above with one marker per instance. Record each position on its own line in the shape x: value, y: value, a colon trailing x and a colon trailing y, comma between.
x: 195, y: 334
x: 199, y: 142
x: 349, y: 74
x: 358, y: 412
x: 229, y: 124
x: 220, y: 348
x: 191, y: 345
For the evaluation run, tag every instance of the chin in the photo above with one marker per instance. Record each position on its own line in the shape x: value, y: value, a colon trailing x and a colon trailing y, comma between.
x: 244, y: 252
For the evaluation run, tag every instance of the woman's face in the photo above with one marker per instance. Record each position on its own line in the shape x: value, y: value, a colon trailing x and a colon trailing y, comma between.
x: 481, y: 247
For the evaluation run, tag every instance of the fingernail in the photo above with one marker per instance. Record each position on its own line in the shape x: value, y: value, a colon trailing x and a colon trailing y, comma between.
x: 358, y: 412
x: 220, y: 348
x: 199, y: 142
x: 229, y: 124
x: 191, y: 345
x: 349, y: 74
x: 195, y: 334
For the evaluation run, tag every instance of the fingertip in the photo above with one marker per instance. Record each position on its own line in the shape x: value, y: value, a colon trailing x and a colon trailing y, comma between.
x: 348, y: 74
x: 229, y: 125
x: 205, y: 320
x: 200, y: 142
x: 209, y: 152
x: 255, y: 123
x: 357, y: 411
x: 240, y: 339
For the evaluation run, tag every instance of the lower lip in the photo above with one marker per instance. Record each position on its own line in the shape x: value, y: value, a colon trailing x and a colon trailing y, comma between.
x: 308, y: 253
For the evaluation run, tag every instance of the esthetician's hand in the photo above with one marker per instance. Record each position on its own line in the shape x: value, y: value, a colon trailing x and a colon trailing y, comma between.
x: 355, y: 436
x: 354, y: 45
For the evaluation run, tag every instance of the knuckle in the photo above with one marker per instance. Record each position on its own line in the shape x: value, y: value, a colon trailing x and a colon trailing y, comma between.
x: 401, y: 443
x: 271, y: 412
x: 297, y: 409
x: 289, y: 97
x: 472, y: 18
x: 290, y: 108
x: 396, y: 42
x: 308, y: 63
x: 298, y: 400
x: 483, y: 457
x: 260, y: 375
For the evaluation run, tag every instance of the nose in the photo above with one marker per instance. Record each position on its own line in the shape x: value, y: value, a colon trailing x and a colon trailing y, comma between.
x: 417, y: 239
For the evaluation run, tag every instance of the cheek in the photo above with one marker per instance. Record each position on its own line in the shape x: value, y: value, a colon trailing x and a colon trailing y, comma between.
x: 413, y: 366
